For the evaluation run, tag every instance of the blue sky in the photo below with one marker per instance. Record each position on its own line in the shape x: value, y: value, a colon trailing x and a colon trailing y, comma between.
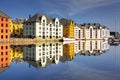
x: 81, y: 11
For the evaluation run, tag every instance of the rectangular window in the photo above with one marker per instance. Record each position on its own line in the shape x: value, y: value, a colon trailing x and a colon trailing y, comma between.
x: 6, y: 36
x: 2, y: 25
x: 6, y: 25
x: 1, y: 30
x: 6, y: 53
x: 1, y: 19
x: 1, y: 47
x: 6, y: 47
x: 6, y: 31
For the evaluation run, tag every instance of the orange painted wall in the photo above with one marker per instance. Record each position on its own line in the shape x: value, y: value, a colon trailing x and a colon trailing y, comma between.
x: 4, y: 55
x: 4, y: 29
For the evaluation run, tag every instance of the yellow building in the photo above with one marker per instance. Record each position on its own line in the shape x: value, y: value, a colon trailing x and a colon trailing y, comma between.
x: 68, y: 28
x: 16, y: 28
x: 68, y: 50
x: 16, y: 52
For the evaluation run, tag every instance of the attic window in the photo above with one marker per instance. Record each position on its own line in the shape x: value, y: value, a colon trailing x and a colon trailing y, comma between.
x: 43, y: 20
x: 39, y: 18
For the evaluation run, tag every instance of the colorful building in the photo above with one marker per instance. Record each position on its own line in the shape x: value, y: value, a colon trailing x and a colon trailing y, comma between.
x: 4, y: 55
x: 16, y: 28
x: 16, y: 53
x: 4, y: 27
x: 43, y: 53
x: 68, y: 51
x: 68, y: 28
x: 42, y: 26
x: 95, y: 31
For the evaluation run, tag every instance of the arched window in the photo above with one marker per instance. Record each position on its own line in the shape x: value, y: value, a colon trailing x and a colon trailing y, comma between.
x: 90, y: 32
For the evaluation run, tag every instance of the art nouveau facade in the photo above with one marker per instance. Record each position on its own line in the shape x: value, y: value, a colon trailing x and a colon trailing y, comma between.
x: 43, y: 53
x: 78, y: 32
x: 43, y: 27
x: 91, y: 32
x: 91, y: 46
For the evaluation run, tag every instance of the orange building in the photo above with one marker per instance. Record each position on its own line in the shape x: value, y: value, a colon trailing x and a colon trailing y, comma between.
x: 4, y: 27
x: 4, y: 55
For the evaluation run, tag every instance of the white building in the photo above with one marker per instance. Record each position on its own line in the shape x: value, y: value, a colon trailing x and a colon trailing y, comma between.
x: 43, y: 27
x: 78, y: 32
x: 91, y: 47
x: 94, y: 31
x: 43, y: 52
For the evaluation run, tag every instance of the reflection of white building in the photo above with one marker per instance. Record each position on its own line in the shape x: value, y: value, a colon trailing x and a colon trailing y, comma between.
x: 91, y: 46
x: 43, y: 27
x: 91, y: 31
x: 43, y: 52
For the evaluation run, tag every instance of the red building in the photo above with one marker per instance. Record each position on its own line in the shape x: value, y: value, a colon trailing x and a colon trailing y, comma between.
x: 4, y: 27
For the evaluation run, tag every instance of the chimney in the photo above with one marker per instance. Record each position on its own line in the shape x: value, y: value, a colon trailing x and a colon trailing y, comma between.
x: 29, y: 15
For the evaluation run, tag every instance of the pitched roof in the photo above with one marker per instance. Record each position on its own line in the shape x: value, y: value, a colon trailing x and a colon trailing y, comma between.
x: 37, y: 18
x: 2, y: 14
x: 64, y: 21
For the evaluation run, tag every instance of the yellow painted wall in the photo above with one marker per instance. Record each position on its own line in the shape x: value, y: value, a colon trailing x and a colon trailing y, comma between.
x: 16, y: 29
x: 15, y: 53
x: 68, y: 50
x: 68, y: 30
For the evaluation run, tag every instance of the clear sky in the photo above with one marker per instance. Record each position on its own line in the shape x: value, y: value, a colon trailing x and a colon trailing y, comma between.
x: 81, y: 11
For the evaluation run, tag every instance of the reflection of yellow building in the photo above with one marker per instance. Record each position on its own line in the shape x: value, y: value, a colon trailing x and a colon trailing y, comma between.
x: 16, y: 28
x: 16, y: 52
x: 68, y: 50
x: 68, y: 29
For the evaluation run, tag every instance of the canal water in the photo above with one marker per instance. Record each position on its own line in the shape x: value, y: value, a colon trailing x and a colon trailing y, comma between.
x: 81, y: 60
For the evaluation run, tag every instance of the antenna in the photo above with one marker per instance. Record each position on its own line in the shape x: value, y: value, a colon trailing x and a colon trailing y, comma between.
x: 115, y: 26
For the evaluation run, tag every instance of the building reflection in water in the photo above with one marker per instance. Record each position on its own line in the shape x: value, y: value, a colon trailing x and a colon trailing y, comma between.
x: 44, y: 54
x: 94, y: 47
x: 41, y: 55
x: 16, y: 54
x: 4, y: 56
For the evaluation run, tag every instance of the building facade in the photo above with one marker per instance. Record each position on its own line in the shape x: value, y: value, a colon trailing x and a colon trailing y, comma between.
x: 43, y: 52
x: 91, y: 47
x: 4, y: 55
x: 68, y: 51
x: 68, y: 28
x: 43, y: 27
x: 4, y: 27
x: 93, y: 31
x: 16, y: 28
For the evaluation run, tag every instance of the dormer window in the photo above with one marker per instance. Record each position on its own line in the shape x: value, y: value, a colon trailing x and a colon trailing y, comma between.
x: 43, y: 20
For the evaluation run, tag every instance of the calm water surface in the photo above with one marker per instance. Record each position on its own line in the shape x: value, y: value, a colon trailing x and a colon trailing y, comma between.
x: 55, y: 61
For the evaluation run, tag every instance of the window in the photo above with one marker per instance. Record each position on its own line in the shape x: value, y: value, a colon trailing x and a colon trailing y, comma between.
x: 6, y: 25
x: 6, y: 47
x: 1, y: 19
x: 1, y: 30
x: 2, y: 25
x: 1, y: 47
x: 6, y: 59
x: 6, y: 36
x: 6, y: 64
x: 6, y: 31
x: 6, y: 53
x: 30, y: 23
x: 91, y: 33
x: 1, y: 59
x: 1, y: 53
